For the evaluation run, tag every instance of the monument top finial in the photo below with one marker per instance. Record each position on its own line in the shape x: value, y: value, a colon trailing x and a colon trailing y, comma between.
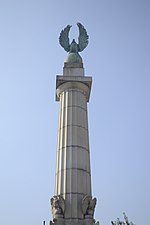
x: 74, y: 48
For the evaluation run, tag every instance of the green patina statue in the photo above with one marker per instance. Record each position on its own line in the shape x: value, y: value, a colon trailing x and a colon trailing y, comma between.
x: 74, y: 48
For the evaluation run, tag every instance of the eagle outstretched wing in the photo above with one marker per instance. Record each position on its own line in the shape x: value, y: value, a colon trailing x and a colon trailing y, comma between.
x: 83, y: 38
x: 85, y: 203
x: 93, y: 203
x: 62, y: 203
x: 64, y: 39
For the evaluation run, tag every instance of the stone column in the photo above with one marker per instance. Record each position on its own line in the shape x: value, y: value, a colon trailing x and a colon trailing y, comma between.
x: 72, y: 202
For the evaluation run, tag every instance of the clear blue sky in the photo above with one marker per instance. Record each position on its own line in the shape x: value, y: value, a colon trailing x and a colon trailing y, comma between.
x: 118, y: 58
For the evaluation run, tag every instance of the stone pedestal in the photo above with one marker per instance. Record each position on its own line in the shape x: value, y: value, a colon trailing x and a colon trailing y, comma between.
x: 73, y: 195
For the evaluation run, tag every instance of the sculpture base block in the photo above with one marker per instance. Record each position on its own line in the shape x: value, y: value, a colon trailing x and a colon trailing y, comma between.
x: 86, y: 221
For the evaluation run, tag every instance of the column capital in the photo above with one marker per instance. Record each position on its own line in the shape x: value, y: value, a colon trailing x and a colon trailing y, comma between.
x: 73, y: 82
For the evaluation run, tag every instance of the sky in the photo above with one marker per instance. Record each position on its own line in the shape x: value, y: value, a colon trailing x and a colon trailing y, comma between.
x: 118, y: 59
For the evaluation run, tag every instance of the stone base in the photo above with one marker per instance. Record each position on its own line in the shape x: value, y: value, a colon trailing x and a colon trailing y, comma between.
x: 86, y: 221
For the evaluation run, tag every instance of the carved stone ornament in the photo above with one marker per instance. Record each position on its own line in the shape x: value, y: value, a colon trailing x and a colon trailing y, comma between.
x: 58, y: 206
x: 88, y: 205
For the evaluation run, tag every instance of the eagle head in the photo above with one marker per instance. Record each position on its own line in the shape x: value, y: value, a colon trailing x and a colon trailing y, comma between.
x: 73, y: 47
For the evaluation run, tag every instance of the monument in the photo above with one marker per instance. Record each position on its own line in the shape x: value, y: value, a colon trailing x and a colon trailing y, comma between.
x: 73, y: 203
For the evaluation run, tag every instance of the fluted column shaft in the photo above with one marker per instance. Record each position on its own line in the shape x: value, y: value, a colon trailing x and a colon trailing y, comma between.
x: 73, y: 173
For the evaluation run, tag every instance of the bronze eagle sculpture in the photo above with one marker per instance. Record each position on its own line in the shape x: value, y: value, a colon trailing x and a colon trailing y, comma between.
x: 73, y: 47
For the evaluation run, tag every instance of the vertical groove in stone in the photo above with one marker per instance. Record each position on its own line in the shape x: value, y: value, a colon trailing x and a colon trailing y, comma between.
x: 65, y: 149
